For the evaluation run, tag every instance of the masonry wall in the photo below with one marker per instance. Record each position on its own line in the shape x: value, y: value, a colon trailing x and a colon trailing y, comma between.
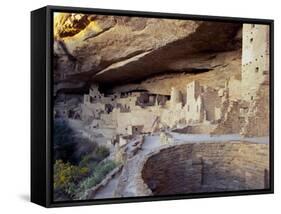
x: 194, y: 111
x: 211, y: 104
x: 234, y: 86
x: 230, y: 122
x: 194, y: 107
x: 176, y: 96
x: 255, y: 59
x: 173, y: 116
x: 128, y: 103
x: 140, y: 117
x: 255, y: 80
x: 203, y: 167
x: 256, y: 119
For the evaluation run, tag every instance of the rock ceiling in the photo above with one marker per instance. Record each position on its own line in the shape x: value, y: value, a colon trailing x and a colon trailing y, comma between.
x: 117, y: 50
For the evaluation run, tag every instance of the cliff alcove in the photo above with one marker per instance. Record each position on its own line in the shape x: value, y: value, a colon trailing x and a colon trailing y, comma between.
x: 182, y: 106
x: 116, y: 50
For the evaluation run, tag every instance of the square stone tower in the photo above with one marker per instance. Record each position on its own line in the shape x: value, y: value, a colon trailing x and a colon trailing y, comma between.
x: 255, y: 59
x: 193, y: 90
x: 255, y: 80
x: 194, y: 105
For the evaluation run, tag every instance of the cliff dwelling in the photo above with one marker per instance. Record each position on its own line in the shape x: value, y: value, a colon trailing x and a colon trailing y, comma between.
x: 180, y: 106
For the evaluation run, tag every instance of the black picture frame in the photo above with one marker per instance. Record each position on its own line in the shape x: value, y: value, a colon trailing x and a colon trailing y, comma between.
x: 42, y: 105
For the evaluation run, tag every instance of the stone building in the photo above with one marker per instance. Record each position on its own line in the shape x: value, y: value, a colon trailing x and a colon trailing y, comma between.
x: 194, y: 102
x: 203, y: 105
x: 129, y: 113
x: 255, y: 59
x: 176, y: 97
x: 241, y: 105
x: 254, y: 111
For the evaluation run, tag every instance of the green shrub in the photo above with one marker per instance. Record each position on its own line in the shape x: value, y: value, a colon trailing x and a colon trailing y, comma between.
x: 99, y: 173
x: 67, y: 176
x: 102, y: 152
x: 77, y: 162
x: 91, y: 160
x: 85, y: 160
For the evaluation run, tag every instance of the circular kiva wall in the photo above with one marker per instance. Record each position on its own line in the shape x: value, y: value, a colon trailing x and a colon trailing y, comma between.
x: 204, y: 167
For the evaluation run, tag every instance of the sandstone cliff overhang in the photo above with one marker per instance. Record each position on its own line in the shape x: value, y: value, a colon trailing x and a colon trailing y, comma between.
x: 117, y: 50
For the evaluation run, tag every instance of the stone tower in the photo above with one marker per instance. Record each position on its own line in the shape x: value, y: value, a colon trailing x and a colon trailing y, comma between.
x: 255, y: 80
x: 193, y: 90
x: 194, y: 103
x: 176, y: 96
x: 255, y: 59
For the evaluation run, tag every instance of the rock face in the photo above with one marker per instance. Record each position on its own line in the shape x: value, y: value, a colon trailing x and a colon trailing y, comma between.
x: 113, y: 49
x: 219, y: 66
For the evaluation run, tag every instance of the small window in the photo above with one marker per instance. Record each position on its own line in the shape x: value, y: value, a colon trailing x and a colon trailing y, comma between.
x: 252, y: 98
x: 253, y: 25
x: 257, y: 69
x: 251, y: 40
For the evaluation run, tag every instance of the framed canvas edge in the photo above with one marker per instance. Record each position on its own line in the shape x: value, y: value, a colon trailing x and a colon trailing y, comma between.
x: 151, y: 14
x: 49, y: 91
x: 49, y: 103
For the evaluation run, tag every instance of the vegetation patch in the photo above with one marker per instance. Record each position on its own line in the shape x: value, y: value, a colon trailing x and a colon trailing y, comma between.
x: 79, y: 163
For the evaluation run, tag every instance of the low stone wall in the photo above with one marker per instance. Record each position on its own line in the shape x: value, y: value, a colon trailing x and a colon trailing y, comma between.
x: 203, y: 128
x: 90, y: 194
x: 206, y: 167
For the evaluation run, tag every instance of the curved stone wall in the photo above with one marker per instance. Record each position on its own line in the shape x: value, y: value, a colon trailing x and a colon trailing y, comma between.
x: 207, y: 167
